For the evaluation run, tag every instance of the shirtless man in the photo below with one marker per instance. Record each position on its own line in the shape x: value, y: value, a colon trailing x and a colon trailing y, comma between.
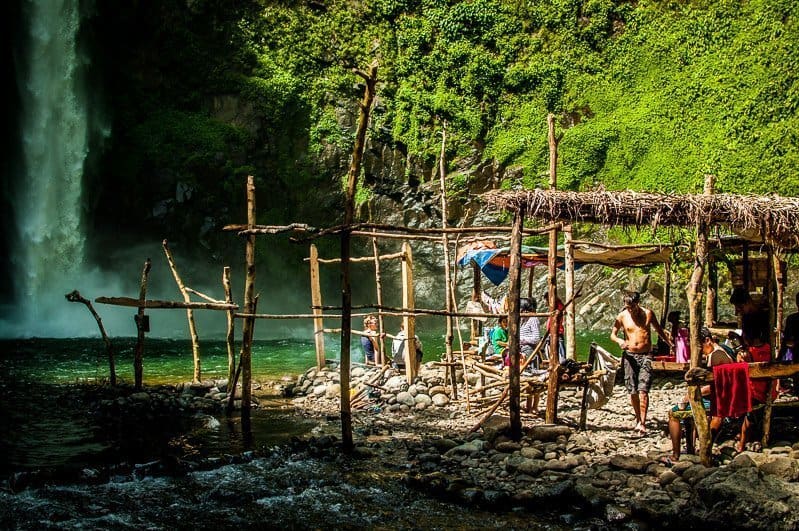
x: 636, y: 346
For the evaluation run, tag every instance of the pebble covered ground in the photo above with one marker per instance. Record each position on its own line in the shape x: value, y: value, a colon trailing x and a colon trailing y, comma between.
x: 608, y: 471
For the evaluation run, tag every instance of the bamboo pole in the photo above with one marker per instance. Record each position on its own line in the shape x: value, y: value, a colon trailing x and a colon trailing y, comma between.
x: 231, y: 324
x: 75, y: 296
x: 380, y: 355
x: 409, y: 321
x: 141, y: 327
x: 248, y: 327
x: 316, y: 301
x: 569, y: 321
x: 552, y: 292
x: 370, y: 79
x: 514, y: 294
x: 195, y: 341
x: 448, y: 336
x: 475, y: 328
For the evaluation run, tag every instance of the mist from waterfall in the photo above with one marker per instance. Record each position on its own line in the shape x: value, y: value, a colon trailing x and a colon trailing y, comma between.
x: 55, y: 130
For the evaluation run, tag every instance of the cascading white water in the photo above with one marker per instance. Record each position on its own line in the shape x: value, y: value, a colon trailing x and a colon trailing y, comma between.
x: 54, y: 123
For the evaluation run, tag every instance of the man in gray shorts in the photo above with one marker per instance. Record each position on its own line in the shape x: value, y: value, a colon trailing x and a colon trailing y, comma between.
x: 636, y: 322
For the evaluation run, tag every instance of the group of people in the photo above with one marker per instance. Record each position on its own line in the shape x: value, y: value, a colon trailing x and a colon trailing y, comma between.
x: 636, y: 324
x: 529, y: 334
x: 371, y: 347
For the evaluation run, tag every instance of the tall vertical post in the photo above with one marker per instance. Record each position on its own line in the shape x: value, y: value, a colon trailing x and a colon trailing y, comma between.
x: 231, y: 357
x: 248, y: 327
x: 316, y: 302
x: 514, y: 346
x: 694, y: 291
x: 569, y: 321
x: 141, y: 328
x: 380, y: 356
x: 408, y: 320
x: 448, y: 288
x: 370, y: 78
x: 552, y: 286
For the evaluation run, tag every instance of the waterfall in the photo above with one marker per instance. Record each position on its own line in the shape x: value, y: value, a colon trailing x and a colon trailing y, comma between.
x: 55, y: 130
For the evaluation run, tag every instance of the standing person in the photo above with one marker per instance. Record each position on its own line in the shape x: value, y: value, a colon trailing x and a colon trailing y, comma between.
x: 636, y: 322
x: 529, y: 331
x: 369, y: 343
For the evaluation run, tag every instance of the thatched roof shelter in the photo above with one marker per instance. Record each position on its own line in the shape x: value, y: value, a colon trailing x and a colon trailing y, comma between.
x: 774, y: 219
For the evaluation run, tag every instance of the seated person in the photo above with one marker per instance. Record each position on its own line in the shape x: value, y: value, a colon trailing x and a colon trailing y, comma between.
x: 499, y: 339
x: 713, y: 354
x: 369, y: 339
x: 398, y: 349
x: 529, y: 331
x: 757, y: 351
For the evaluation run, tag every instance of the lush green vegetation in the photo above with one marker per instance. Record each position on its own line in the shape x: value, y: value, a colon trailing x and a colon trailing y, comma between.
x: 648, y: 95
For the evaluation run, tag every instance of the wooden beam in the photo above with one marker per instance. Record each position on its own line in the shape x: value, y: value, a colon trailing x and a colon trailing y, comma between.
x: 169, y: 305
x: 195, y: 340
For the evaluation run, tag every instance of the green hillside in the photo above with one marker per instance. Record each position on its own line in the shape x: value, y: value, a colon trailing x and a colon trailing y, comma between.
x: 649, y: 95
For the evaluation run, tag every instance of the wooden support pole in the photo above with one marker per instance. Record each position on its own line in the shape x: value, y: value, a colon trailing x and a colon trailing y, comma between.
x: 316, y: 302
x: 231, y: 325
x: 370, y: 79
x: 75, y: 296
x: 552, y: 285
x: 248, y: 327
x: 170, y: 305
x: 779, y: 281
x: 514, y: 347
x: 409, y: 321
x: 448, y: 334
x: 195, y: 341
x: 568, y: 273
x: 381, y: 358
x: 141, y: 328
x: 694, y: 291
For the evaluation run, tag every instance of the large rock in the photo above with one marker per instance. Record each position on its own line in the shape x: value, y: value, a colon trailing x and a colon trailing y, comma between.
x: 746, y: 498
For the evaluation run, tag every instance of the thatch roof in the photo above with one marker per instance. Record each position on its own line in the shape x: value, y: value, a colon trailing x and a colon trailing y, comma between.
x: 774, y: 218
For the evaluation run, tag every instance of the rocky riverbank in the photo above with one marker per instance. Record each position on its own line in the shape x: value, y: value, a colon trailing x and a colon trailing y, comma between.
x: 607, y: 472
